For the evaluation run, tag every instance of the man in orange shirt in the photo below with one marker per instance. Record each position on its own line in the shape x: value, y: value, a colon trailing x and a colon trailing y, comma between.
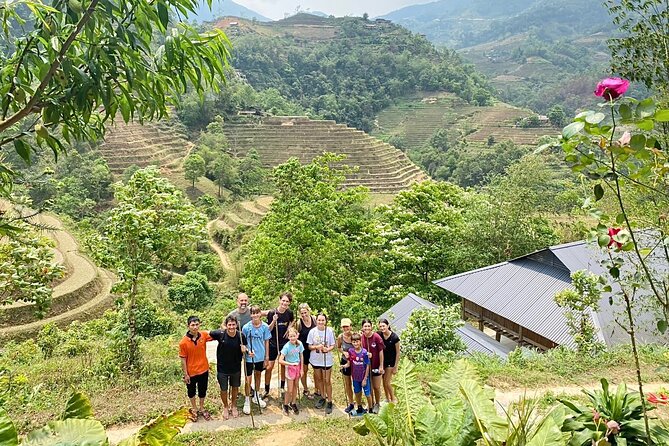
x: 194, y: 363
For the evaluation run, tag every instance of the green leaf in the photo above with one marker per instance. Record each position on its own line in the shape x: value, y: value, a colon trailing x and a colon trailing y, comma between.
x: 163, y: 15
x: 638, y: 142
x: 620, y: 218
x: 78, y: 406
x: 483, y: 408
x: 8, y: 434
x: 615, y: 272
x: 159, y: 431
x: 662, y: 115
x: 599, y: 192
x: 645, y: 108
x: 23, y: 149
x: 646, y: 124
x: 662, y: 326
x: 625, y: 111
x: 603, y: 240
x: 595, y: 118
x: 72, y: 432
x: 376, y: 426
x: 548, y: 434
x: 572, y: 129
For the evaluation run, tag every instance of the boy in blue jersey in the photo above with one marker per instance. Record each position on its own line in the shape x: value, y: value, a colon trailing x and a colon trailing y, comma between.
x: 359, y: 362
x: 257, y: 335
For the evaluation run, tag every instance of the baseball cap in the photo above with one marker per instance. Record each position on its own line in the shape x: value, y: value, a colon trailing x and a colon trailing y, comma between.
x: 346, y: 322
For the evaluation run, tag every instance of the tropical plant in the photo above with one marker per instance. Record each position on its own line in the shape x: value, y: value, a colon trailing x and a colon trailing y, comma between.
x: 77, y: 427
x: 190, y: 292
x: 431, y: 332
x: 616, y: 418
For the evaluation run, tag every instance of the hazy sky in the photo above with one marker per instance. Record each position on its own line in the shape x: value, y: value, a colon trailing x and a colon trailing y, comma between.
x: 275, y: 9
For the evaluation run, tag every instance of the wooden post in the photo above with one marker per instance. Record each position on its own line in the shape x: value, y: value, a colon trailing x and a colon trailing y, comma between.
x: 498, y: 336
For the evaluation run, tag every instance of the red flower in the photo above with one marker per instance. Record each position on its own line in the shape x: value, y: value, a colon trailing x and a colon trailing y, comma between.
x: 660, y: 398
x: 612, y: 232
x: 612, y: 87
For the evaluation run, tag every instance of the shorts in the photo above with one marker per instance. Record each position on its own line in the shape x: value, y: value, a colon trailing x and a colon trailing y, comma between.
x: 234, y: 379
x: 293, y: 371
x: 251, y: 366
x: 376, y: 373
x: 199, y: 381
x: 306, y: 354
x: 273, y: 351
x: 358, y: 387
x: 344, y: 371
x: 321, y: 367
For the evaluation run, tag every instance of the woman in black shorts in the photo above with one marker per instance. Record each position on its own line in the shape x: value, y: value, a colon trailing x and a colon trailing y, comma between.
x: 304, y: 324
x: 391, y: 357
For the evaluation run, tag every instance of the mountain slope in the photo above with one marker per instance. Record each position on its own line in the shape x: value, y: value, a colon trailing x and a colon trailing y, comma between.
x: 220, y: 8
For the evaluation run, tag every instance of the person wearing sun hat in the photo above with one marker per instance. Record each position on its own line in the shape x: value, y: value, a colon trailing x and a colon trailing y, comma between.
x: 344, y: 344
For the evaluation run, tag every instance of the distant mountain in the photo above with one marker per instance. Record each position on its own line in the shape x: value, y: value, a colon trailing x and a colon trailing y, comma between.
x: 464, y: 23
x: 220, y: 8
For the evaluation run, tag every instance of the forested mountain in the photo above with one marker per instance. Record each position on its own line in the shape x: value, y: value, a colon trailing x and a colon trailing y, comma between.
x: 347, y: 69
x: 220, y: 8
x: 524, y: 46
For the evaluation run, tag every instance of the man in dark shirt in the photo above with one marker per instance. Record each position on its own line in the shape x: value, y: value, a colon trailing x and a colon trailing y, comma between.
x: 229, y: 353
x: 278, y: 320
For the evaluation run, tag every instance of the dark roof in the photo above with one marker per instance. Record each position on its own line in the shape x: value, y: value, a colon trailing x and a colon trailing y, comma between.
x: 522, y: 290
x: 475, y: 340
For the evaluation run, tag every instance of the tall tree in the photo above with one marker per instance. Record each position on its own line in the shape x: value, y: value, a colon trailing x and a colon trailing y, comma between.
x: 153, y: 226
x: 194, y: 168
x: 68, y: 67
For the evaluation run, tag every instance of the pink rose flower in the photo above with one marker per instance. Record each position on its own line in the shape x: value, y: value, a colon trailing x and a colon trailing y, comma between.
x: 613, y: 427
x: 625, y: 139
x: 612, y: 232
x: 612, y: 87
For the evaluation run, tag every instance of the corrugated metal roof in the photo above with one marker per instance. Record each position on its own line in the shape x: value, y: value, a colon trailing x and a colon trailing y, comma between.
x: 476, y: 341
x: 523, y: 289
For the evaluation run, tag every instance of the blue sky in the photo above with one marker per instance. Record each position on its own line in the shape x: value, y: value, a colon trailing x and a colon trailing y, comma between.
x: 276, y: 9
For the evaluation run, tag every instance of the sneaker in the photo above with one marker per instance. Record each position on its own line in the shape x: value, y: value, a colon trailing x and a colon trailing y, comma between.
x: 376, y: 408
x: 247, y: 407
x: 265, y: 395
x: 320, y: 403
x: 360, y: 411
x: 328, y: 408
x: 286, y: 409
x: 349, y: 408
x: 296, y: 409
x: 260, y: 403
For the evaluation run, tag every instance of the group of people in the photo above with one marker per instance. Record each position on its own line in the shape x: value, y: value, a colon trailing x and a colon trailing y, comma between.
x: 367, y: 359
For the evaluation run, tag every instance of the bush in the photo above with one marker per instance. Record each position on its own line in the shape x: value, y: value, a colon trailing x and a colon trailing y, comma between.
x: 208, y: 265
x: 49, y: 338
x: 208, y: 205
x: 191, y: 291
x: 431, y: 333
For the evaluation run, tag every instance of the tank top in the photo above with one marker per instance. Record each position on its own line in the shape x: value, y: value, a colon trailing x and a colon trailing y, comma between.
x: 345, y: 347
x: 304, y: 331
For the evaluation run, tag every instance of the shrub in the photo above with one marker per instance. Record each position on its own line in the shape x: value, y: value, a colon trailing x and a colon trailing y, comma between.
x: 209, y: 205
x: 191, y: 291
x: 431, y: 333
x: 208, y: 265
x: 49, y: 338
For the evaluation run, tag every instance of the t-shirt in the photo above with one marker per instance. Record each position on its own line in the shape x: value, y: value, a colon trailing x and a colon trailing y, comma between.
x: 256, y: 337
x: 242, y: 318
x: 228, y: 352
x: 389, y: 350
x: 304, y: 331
x: 325, y: 337
x: 374, y: 345
x: 292, y: 352
x: 194, y: 349
x: 282, y: 324
x: 359, y: 362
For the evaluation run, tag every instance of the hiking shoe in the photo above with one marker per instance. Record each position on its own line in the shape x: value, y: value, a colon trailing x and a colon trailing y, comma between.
x: 375, y: 409
x: 296, y: 409
x: 320, y: 403
x: 328, y: 408
x: 286, y: 409
x: 360, y: 411
x: 247, y: 407
x: 349, y: 408
x: 260, y: 402
x: 265, y: 395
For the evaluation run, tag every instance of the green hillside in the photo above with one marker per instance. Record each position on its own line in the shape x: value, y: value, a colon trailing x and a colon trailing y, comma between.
x: 347, y: 69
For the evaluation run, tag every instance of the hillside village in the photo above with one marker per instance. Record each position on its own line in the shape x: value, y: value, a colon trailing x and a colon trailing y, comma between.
x: 350, y: 175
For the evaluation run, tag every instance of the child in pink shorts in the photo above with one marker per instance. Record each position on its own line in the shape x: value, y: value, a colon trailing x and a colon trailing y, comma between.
x: 291, y: 357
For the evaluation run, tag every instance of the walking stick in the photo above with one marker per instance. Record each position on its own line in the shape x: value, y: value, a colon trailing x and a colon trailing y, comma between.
x: 246, y: 370
x: 255, y: 392
x: 278, y: 369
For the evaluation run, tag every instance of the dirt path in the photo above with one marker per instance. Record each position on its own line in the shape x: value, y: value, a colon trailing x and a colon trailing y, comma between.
x: 272, y: 413
x: 281, y: 438
x: 222, y: 255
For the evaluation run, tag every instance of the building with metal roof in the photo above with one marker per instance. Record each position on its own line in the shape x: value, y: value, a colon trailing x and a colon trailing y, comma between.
x: 475, y: 340
x: 516, y: 298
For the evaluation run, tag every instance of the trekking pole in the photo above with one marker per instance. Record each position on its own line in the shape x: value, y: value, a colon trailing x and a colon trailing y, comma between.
x: 278, y: 369
x: 246, y: 371
x: 255, y: 392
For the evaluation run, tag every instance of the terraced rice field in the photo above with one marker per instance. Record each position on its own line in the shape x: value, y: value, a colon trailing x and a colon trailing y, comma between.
x: 84, y: 294
x: 416, y: 120
x: 381, y: 167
